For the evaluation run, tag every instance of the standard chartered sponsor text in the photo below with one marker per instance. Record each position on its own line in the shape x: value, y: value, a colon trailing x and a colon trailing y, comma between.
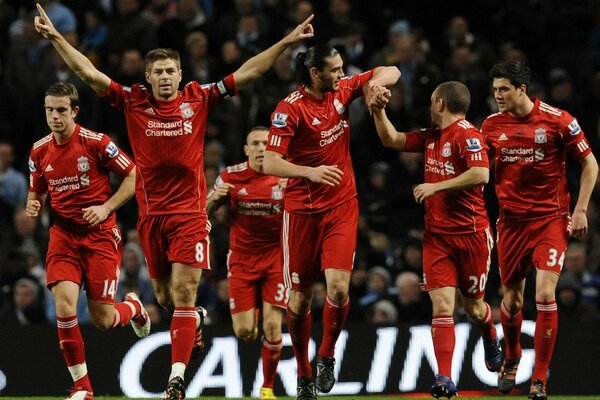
x: 332, y: 134
x: 519, y: 154
x: 171, y: 128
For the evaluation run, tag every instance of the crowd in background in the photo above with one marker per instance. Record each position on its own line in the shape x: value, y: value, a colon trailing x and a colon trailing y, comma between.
x: 429, y: 41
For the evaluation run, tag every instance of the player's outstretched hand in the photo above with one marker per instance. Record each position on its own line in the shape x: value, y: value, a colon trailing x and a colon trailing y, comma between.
x: 95, y: 214
x: 32, y: 208
x: 44, y: 25
x: 301, y: 32
x: 326, y: 174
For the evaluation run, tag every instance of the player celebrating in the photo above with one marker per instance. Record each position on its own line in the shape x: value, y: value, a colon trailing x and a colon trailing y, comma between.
x: 457, y: 243
x: 166, y: 130
x: 311, y: 126
x: 72, y: 164
x: 529, y: 140
x: 254, y: 259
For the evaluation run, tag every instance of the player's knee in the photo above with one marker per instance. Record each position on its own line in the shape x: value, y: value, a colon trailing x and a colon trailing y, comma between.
x: 338, y: 292
x: 184, y: 294
x: 244, y: 333
x: 545, y: 295
x: 102, y: 322
x: 272, y: 328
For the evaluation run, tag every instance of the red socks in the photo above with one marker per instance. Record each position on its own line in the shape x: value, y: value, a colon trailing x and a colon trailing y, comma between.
x: 299, y: 327
x: 334, y: 317
x: 270, y: 354
x: 511, y: 325
x: 488, y: 330
x: 546, y: 325
x: 444, y: 338
x: 73, y: 350
x: 183, y: 333
x: 124, y: 312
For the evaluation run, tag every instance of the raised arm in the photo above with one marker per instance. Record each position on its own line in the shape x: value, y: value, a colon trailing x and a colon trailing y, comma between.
x: 74, y: 59
x: 97, y: 214
x: 256, y: 66
x: 388, y: 135
x: 375, y: 91
x: 589, y: 174
x: 274, y: 164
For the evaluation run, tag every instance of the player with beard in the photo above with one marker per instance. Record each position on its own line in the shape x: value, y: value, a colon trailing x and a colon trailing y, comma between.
x: 311, y: 128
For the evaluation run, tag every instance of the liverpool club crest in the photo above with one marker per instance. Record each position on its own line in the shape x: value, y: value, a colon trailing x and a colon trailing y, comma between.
x: 83, y: 164
x: 186, y: 110
x: 540, y: 136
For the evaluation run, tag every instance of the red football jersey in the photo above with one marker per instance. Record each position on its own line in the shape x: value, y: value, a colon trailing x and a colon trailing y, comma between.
x: 167, y: 139
x: 313, y: 132
x: 459, y: 147
x: 255, y: 203
x: 530, y: 155
x: 76, y: 174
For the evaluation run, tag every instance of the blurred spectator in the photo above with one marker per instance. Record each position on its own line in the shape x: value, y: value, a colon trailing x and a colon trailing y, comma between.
x: 200, y: 64
x: 570, y: 306
x: 128, y: 28
x: 27, y: 305
x: 189, y: 17
x: 96, y: 32
x: 249, y: 35
x: 374, y: 199
x: 156, y: 313
x: 378, y: 285
x: 464, y: 66
x: 160, y: 10
x: 419, y: 77
x: 383, y: 312
x: 576, y: 263
x: 277, y: 83
x: 134, y: 274
x: 13, y: 185
x: 132, y: 68
x: 412, y: 304
x: 459, y: 34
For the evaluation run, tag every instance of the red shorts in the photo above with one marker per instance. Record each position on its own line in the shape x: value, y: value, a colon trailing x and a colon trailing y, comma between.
x: 92, y: 258
x: 461, y: 261
x: 255, y: 276
x: 174, y: 238
x: 316, y: 242
x: 540, y: 243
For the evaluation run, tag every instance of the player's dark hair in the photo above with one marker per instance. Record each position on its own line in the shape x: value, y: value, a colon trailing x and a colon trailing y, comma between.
x: 162, y: 54
x: 64, y: 89
x: 456, y: 96
x: 256, y: 128
x: 314, y: 57
x: 516, y: 72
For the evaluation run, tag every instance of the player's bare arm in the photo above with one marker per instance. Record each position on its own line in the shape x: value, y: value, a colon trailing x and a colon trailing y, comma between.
x: 274, y: 164
x: 256, y: 66
x: 34, y: 204
x: 97, y: 214
x: 474, y: 176
x: 587, y: 181
x: 213, y: 200
x: 375, y: 91
x: 74, y: 59
x: 388, y: 135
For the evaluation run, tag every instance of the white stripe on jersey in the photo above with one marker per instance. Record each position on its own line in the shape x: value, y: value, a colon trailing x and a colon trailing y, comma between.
x: 275, y: 140
x: 476, y: 157
x: 582, y: 146
x: 43, y: 140
x: 287, y: 281
x: 89, y: 134
x: 292, y: 97
x: 465, y: 124
x: 122, y: 161
x: 549, y: 109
